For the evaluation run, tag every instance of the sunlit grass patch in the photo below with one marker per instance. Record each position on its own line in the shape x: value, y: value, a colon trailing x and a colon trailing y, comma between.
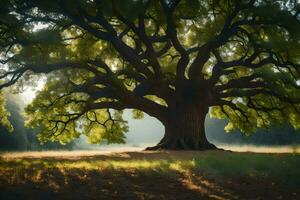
x: 182, y: 165
x: 87, y: 165
x: 143, y: 164
x: 111, y: 164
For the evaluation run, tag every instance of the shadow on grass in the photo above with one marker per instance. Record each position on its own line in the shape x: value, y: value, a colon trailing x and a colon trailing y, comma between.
x: 152, y: 175
x: 55, y: 183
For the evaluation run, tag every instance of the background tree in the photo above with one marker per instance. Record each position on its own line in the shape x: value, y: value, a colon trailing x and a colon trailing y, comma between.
x: 21, y: 138
x: 4, y: 114
x: 171, y: 59
x: 273, y: 137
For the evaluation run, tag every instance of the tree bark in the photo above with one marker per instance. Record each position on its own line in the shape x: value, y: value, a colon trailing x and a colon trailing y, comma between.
x: 185, y: 129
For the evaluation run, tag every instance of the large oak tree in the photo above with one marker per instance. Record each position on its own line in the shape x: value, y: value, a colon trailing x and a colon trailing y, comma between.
x: 175, y: 60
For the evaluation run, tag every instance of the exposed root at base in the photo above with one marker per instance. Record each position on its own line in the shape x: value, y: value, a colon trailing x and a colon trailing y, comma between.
x: 182, y: 146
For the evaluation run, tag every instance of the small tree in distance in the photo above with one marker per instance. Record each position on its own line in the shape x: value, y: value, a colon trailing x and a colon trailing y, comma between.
x: 175, y: 60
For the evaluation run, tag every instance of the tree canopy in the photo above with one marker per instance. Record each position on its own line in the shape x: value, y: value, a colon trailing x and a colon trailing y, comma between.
x: 240, y: 58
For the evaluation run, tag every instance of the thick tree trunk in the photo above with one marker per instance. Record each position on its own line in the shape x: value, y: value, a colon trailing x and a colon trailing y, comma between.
x: 184, y: 129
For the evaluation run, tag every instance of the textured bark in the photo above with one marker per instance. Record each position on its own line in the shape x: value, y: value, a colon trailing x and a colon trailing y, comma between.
x: 185, y: 129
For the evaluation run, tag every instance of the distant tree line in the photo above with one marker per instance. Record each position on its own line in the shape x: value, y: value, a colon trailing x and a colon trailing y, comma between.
x: 285, y: 135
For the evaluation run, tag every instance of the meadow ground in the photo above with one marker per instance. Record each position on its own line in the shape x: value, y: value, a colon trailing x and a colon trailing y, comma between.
x: 149, y: 175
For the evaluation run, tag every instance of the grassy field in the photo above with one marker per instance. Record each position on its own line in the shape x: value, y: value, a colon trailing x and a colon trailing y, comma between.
x: 150, y: 175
